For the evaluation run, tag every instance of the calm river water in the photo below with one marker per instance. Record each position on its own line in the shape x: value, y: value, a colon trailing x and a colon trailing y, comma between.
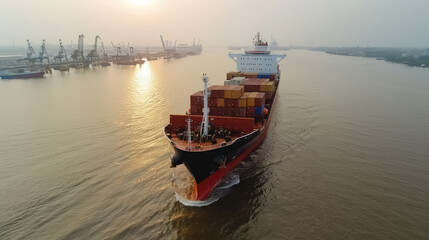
x: 83, y: 156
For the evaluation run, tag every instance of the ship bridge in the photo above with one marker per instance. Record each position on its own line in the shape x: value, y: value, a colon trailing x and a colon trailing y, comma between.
x: 258, y: 59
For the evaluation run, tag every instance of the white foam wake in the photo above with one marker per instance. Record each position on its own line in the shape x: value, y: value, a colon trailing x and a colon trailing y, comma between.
x: 218, y: 192
x: 190, y: 203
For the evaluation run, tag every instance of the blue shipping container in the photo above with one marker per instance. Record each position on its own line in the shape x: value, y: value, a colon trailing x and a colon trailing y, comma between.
x: 259, y: 110
x: 263, y: 75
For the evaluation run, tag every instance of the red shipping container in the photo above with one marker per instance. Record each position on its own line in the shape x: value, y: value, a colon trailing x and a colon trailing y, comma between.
x: 250, y: 111
x: 196, y: 112
x: 268, y: 96
x: 251, y: 88
x: 260, y: 99
x: 212, y: 102
x: 221, y: 111
x: 213, y: 111
x: 217, y: 91
x: 196, y: 109
x: 232, y: 112
x: 235, y: 112
x: 231, y: 102
x: 197, y: 98
x: 242, y: 112
x: 252, y: 84
x: 227, y: 112
x: 230, y: 123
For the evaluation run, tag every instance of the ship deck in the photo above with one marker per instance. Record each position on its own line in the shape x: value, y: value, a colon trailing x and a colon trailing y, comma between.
x: 199, y: 146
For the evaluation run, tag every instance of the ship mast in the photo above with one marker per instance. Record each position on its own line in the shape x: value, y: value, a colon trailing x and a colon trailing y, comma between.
x: 206, y: 108
x: 189, y: 136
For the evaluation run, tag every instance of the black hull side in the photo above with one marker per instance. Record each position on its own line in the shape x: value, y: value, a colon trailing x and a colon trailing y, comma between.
x: 203, y: 164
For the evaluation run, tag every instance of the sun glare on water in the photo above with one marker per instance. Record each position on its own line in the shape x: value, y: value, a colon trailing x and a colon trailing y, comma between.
x: 140, y: 2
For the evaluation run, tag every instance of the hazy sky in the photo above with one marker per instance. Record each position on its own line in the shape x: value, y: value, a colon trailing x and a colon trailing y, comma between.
x: 218, y: 22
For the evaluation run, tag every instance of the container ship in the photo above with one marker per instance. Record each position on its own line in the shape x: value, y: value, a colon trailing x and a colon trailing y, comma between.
x: 225, y: 123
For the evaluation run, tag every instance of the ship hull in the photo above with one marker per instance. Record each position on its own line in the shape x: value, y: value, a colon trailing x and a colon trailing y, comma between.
x: 206, y: 166
x: 23, y: 75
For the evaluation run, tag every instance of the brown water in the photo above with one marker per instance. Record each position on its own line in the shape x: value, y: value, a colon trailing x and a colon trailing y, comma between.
x: 82, y: 154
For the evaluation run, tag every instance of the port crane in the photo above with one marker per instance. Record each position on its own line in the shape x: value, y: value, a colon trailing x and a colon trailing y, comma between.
x: 30, y: 52
x: 77, y: 56
x: 169, y: 51
x: 127, y: 58
x: 29, y: 55
x: 130, y: 50
x: 118, y: 51
x: 104, y: 62
x: 63, y: 66
x: 93, y: 56
x: 43, y: 54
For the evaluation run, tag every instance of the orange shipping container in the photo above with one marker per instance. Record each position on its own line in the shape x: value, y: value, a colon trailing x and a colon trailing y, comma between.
x: 270, y: 87
x: 221, y: 102
x: 230, y: 75
x: 234, y: 91
x: 242, y: 101
x: 251, y: 99
x: 227, y: 92
x: 263, y: 87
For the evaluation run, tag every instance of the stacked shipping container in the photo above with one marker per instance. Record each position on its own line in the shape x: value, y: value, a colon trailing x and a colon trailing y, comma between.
x: 243, y: 95
x: 230, y: 100
x: 259, y: 85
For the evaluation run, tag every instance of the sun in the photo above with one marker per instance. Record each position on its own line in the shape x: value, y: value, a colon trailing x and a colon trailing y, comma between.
x: 140, y: 2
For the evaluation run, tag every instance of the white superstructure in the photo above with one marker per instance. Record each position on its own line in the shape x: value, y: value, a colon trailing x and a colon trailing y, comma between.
x: 258, y: 59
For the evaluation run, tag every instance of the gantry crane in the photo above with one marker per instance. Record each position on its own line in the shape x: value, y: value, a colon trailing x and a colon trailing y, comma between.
x: 63, y: 66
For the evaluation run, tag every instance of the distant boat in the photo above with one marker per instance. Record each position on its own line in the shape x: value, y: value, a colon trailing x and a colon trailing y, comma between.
x: 128, y: 61
x: 22, y: 74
